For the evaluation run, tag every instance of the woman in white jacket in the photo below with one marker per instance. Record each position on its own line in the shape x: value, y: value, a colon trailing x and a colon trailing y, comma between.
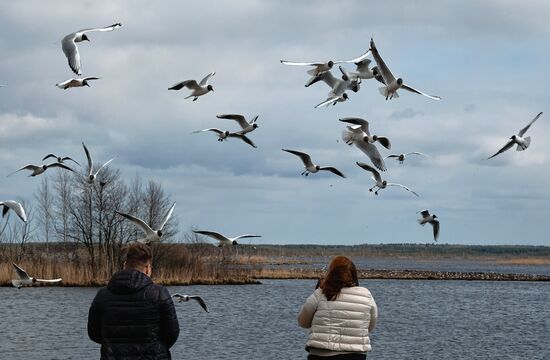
x: 340, y: 315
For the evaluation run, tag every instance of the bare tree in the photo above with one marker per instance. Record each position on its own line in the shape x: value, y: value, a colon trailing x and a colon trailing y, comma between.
x: 44, y: 206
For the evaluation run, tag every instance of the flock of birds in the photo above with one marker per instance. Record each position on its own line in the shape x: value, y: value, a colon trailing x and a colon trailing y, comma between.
x: 356, y: 132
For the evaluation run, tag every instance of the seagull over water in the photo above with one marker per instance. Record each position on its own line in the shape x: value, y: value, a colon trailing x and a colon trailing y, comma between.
x: 380, y: 184
x: 15, y: 207
x: 430, y: 219
x: 68, y: 44
x: 521, y: 142
x: 180, y: 298
x: 25, y: 279
x: 310, y: 166
x: 91, y: 174
x: 76, y: 82
x: 320, y: 67
x: 241, y: 120
x: 198, y: 89
x: 401, y: 157
x: 224, y: 134
x: 391, y: 83
x: 223, y: 240
x: 150, y: 234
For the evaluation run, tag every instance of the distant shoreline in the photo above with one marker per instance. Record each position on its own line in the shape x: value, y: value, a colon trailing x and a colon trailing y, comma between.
x: 203, y: 264
x: 366, y: 274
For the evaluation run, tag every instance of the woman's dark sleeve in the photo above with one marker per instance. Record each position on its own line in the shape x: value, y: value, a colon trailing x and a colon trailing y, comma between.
x: 94, y: 323
x: 170, y: 328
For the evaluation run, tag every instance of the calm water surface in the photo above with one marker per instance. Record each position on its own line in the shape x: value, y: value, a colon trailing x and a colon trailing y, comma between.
x: 418, y: 320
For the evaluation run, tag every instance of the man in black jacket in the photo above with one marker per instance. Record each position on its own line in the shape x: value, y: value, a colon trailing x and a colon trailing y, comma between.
x: 133, y: 318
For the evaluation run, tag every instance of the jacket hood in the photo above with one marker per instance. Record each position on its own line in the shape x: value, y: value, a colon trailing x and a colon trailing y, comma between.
x: 128, y: 281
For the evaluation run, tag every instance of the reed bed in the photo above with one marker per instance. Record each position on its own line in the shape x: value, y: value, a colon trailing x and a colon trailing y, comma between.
x: 172, y: 265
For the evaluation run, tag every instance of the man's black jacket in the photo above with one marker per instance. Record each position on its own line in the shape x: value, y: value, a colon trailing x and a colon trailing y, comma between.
x: 132, y: 318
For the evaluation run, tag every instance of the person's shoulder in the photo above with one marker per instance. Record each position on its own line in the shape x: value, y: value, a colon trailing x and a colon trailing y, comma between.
x: 101, y: 294
x: 158, y: 291
x: 358, y: 290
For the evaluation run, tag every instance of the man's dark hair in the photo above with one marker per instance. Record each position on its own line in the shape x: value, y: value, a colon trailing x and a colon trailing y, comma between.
x: 138, y: 255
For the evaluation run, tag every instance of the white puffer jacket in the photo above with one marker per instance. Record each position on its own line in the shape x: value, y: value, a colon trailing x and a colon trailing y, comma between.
x: 342, y: 325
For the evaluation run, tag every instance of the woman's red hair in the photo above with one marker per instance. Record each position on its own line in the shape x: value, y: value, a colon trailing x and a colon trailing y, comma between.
x: 341, y: 273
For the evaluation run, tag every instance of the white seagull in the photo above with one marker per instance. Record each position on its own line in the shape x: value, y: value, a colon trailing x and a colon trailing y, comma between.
x: 60, y: 159
x: 338, y: 86
x: 356, y: 135
x: 223, y: 241
x: 197, y: 298
x: 40, y: 169
x: 76, y: 82
x: 521, y: 142
x: 68, y: 44
x: 198, y: 89
x: 380, y: 184
x: 14, y: 206
x: 361, y: 132
x: 91, y: 175
x: 310, y: 166
x: 333, y: 100
x: 320, y: 67
x: 25, y: 279
x: 391, y: 83
x: 150, y: 234
x: 432, y: 220
x: 401, y: 157
x: 362, y: 70
x: 241, y: 120
x: 224, y: 134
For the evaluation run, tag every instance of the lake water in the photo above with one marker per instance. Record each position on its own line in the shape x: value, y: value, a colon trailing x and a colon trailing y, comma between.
x: 417, y: 320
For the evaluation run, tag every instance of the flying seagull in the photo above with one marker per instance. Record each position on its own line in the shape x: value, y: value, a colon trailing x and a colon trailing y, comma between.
x: 197, y: 89
x: 197, y: 298
x: 380, y: 184
x: 522, y: 142
x: 355, y: 136
x: 14, y: 206
x: 25, y: 279
x: 361, y: 132
x: 241, y: 120
x: 391, y: 83
x: 432, y: 220
x: 68, y: 44
x: 150, y: 234
x: 91, y: 175
x: 310, y: 166
x: 362, y: 70
x: 338, y: 86
x: 320, y: 67
x: 333, y: 100
x: 224, y: 134
x: 60, y: 159
x: 39, y: 169
x: 76, y: 82
x: 401, y: 157
x: 223, y: 241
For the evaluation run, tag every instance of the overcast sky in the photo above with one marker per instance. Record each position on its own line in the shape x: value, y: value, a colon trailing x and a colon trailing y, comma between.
x: 488, y: 60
